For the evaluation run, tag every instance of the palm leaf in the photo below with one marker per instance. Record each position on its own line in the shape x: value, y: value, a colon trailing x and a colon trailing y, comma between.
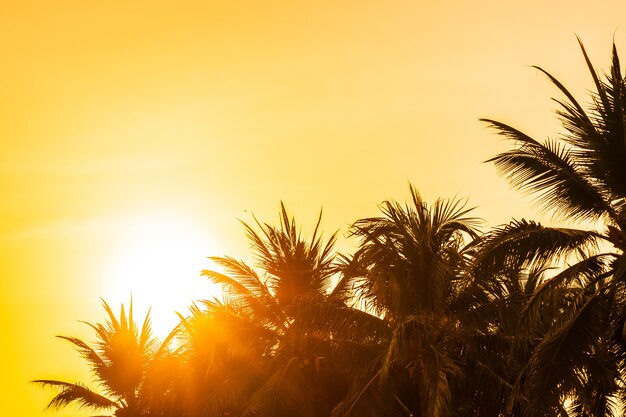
x: 76, y: 393
x: 551, y: 171
x: 96, y: 363
x: 243, y: 280
x: 585, y: 271
x: 522, y: 243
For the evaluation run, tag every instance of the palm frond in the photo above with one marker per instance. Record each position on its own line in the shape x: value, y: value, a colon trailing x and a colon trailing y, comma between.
x: 336, y: 319
x: 243, y: 280
x: 96, y: 363
x: 551, y: 172
x: 76, y: 394
x: 547, y: 294
x: 524, y: 242
x: 599, y: 86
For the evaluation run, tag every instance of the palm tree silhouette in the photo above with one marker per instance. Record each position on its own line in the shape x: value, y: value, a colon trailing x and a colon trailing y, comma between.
x: 408, y: 269
x: 580, y: 175
x: 295, y: 277
x: 119, y: 361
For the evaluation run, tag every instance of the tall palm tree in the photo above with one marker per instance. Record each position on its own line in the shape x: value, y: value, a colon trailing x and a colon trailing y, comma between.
x: 408, y: 270
x: 119, y: 362
x: 581, y: 176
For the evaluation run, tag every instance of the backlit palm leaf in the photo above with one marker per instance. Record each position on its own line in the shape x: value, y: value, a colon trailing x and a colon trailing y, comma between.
x: 76, y: 394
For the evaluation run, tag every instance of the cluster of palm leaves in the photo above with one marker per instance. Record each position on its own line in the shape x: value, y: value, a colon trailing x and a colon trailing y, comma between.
x: 430, y: 316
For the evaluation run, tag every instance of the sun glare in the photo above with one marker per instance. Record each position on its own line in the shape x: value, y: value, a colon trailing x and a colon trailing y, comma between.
x: 158, y: 262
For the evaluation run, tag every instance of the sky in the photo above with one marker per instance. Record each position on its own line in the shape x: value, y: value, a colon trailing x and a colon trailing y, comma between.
x: 135, y: 134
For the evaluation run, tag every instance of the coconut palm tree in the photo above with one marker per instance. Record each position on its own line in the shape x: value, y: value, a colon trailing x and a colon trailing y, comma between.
x: 119, y: 362
x: 581, y: 176
x: 408, y: 270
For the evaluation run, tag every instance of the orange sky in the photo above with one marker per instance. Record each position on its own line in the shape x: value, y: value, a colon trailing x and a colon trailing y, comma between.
x: 135, y: 134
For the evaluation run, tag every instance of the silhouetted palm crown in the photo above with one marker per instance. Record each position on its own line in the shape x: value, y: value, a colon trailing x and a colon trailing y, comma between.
x: 408, y: 270
x: 292, y: 266
x: 410, y: 257
x: 581, y: 175
x: 119, y: 362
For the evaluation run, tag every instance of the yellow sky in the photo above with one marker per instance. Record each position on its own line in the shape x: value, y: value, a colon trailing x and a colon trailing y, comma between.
x: 135, y: 133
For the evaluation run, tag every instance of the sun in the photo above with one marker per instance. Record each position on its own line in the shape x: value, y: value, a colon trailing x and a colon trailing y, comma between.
x: 158, y: 261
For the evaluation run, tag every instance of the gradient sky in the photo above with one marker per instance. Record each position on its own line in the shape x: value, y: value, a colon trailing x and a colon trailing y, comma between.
x: 135, y: 133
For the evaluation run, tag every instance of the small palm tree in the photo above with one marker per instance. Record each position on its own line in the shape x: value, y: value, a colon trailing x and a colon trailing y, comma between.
x: 580, y: 175
x: 119, y: 361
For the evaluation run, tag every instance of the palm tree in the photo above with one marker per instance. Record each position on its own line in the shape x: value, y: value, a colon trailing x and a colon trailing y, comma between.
x: 295, y: 277
x: 408, y: 270
x: 119, y: 362
x: 581, y: 176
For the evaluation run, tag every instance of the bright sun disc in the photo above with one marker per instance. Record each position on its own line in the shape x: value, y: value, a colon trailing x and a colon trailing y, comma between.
x: 158, y: 261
